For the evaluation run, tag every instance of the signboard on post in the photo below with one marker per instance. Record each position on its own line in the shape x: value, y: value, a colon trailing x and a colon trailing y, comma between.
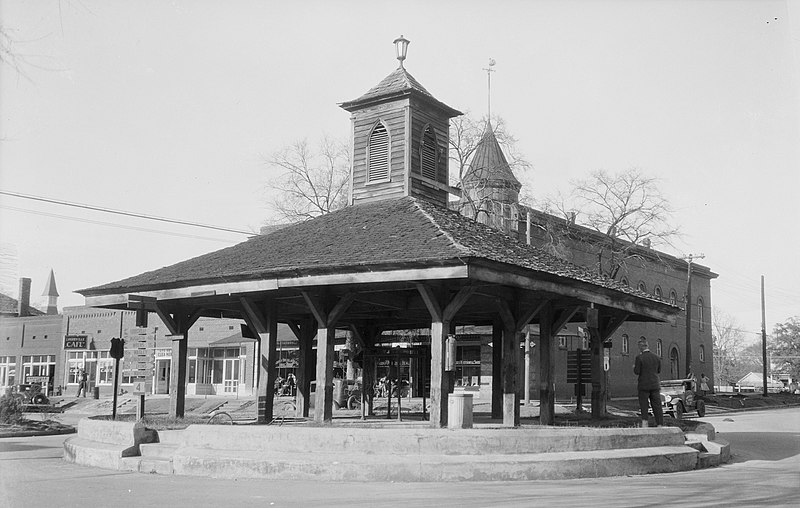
x: 579, y: 366
x: 139, y: 387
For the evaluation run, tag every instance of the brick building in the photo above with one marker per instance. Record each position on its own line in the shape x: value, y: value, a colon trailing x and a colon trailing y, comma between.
x: 490, y: 194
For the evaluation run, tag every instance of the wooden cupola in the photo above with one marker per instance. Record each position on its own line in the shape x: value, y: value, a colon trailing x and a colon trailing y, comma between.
x: 400, y: 140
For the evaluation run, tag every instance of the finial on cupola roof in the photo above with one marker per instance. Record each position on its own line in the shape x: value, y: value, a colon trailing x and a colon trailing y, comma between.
x: 401, y: 46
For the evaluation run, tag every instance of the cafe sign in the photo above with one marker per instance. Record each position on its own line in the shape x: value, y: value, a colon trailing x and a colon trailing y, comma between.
x: 75, y: 341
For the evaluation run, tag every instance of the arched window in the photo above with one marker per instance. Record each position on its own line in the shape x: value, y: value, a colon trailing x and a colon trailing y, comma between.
x: 702, y: 354
x: 642, y: 287
x: 625, y: 345
x: 625, y: 281
x: 674, y: 364
x: 659, y: 350
x: 378, y: 154
x: 429, y: 154
x: 700, y: 313
x: 657, y: 291
x: 673, y: 297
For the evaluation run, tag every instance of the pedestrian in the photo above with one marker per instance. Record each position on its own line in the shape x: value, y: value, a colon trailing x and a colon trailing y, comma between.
x: 648, y: 366
x: 81, y: 383
x: 704, y: 384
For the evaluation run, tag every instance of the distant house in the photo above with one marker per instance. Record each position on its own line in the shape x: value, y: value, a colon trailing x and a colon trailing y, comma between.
x: 754, y: 381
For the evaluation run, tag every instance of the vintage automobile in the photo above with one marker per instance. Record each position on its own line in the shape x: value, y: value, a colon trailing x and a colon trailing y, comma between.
x: 678, y: 397
x: 30, y: 394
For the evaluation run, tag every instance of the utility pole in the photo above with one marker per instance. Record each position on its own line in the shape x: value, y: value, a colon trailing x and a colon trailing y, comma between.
x: 689, y: 258
x: 764, y: 336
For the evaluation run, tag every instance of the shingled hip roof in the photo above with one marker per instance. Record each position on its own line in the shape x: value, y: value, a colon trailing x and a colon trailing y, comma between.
x: 397, y: 84
x: 393, y: 233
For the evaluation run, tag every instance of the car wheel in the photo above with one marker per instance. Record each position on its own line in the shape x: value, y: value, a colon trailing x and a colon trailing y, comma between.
x: 678, y: 410
x: 701, y: 408
x: 353, y: 402
x: 39, y: 399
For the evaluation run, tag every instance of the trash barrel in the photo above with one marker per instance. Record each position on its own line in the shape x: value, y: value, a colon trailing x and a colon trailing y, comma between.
x: 96, y: 392
x: 459, y: 410
x: 339, y: 393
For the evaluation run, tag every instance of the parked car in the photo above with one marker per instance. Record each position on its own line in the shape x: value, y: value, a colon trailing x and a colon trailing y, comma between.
x: 678, y: 397
x: 30, y: 394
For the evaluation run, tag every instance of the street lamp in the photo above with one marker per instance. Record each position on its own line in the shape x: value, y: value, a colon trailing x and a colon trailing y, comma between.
x: 401, y: 46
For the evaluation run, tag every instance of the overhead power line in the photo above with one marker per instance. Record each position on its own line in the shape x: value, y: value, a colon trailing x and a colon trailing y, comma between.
x: 122, y: 212
x: 112, y: 224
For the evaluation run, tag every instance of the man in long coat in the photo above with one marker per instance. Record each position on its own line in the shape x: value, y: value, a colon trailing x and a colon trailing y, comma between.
x: 648, y: 367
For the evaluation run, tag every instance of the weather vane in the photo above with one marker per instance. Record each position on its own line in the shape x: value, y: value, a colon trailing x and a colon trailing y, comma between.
x: 489, y: 72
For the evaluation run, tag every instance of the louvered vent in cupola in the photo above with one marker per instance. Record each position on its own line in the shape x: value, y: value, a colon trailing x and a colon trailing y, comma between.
x: 429, y: 154
x: 378, y: 155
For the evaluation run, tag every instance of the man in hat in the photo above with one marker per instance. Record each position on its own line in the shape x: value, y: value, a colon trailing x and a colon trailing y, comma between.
x: 648, y: 367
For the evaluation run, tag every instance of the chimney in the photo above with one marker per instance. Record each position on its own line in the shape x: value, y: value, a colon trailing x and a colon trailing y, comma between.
x: 24, y: 298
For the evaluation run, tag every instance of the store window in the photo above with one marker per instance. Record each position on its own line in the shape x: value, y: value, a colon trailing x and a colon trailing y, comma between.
x: 38, y: 366
x: 468, y: 365
x: 105, y: 369
x: 77, y: 360
x: 8, y: 368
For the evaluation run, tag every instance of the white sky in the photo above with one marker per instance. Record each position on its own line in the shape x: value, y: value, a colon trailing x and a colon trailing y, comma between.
x: 167, y: 108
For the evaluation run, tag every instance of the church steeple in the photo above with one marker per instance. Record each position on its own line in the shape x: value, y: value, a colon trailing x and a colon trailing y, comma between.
x: 400, y: 139
x: 51, y: 293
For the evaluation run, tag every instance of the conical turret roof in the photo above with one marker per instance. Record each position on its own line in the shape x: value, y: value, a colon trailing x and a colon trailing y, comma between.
x: 489, y: 163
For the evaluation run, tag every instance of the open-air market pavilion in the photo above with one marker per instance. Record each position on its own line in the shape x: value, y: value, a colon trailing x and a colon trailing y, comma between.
x: 395, y: 259
x: 392, y: 264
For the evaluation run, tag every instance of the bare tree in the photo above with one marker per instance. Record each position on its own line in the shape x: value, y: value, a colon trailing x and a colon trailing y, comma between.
x: 314, y: 180
x: 729, y: 344
x: 626, y: 208
x: 784, y: 347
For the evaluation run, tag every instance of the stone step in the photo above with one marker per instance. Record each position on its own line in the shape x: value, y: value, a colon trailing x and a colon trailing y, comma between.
x: 433, y: 468
x: 160, y: 451
x: 155, y: 466
x: 415, y: 440
x: 697, y: 445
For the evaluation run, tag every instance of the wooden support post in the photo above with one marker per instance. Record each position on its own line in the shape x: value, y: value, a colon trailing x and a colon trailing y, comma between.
x: 306, y: 366
x: 510, y: 364
x: 264, y: 323
x: 439, y: 384
x: 497, y: 369
x: 600, y: 330
x: 547, y: 353
x: 442, y: 314
x: 178, y: 326
x: 268, y: 364
x: 323, y: 397
x: 177, y: 376
x: 510, y: 375
x: 598, y: 376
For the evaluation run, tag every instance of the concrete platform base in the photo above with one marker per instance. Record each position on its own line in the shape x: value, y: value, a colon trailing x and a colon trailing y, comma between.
x: 402, y: 452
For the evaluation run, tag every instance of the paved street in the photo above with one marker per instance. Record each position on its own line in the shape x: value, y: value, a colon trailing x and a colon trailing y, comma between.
x: 764, y: 471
